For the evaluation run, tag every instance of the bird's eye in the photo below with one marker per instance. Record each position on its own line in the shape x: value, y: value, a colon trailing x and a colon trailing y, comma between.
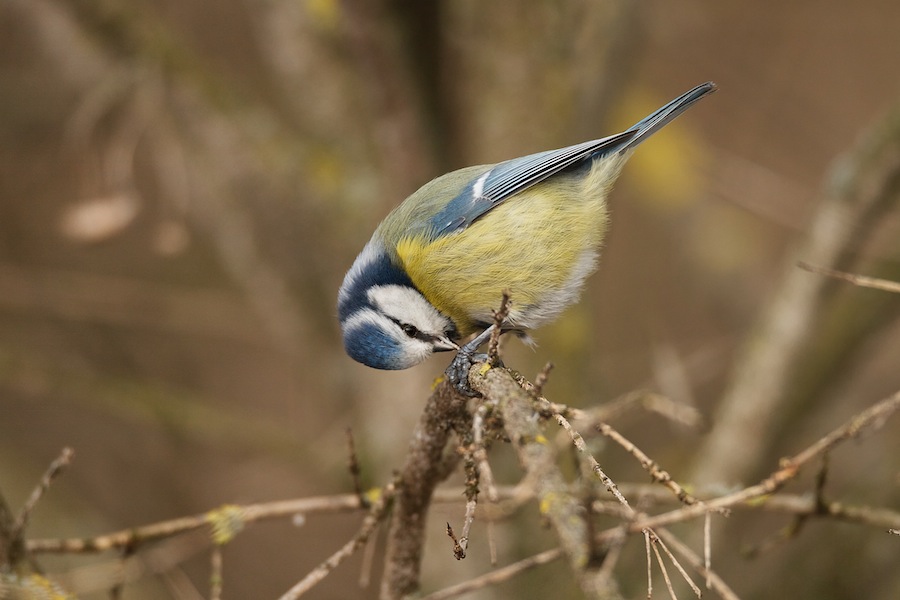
x: 409, y: 330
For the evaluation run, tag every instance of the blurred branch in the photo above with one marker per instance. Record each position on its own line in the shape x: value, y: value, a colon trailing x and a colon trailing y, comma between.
x: 10, y: 546
x: 564, y: 511
x: 496, y: 576
x: 377, y: 513
x: 559, y: 501
x: 871, y: 418
x: 200, y: 120
x: 373, y: 34
x: 125, y: 302
x: 860, y: 280
x: 861, y: 186
x: 56, y: 467
x: 425, y: 467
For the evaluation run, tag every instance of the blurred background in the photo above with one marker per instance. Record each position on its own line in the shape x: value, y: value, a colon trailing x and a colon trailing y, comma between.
x: 183, y: 184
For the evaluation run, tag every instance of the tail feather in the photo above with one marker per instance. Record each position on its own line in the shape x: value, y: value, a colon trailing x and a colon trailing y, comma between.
x: 659, y: 119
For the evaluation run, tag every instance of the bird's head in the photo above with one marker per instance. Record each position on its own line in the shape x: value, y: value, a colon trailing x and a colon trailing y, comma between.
x: 387, y: 323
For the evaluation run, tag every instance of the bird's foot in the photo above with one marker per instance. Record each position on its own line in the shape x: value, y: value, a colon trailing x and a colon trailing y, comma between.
x: 458, y: 371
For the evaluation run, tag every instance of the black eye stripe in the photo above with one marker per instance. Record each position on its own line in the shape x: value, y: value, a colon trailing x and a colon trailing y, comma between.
x: 412, y: 331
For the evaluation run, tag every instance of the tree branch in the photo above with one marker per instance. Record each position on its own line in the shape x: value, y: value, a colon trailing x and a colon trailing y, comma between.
x: 424, y: 469
x: 861, y: 185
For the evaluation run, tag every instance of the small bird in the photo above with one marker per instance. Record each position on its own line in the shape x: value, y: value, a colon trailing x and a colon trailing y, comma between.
x: 438, y: 264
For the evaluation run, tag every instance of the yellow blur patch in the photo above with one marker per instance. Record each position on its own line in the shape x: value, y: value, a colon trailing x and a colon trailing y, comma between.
x: 758, y: 501
x: 324, y: 13
x: 666, y: 170
x: 326, y: 170
x: 373, y: 495
x: 545, y: 504
x: 226, y: 522
x: 540, y: 439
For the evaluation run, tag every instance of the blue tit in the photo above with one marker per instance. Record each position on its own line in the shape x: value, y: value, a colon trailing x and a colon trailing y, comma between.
x: 439, y: 262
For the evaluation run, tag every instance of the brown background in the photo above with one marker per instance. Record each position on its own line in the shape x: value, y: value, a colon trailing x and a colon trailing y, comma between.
x: 184, y: 183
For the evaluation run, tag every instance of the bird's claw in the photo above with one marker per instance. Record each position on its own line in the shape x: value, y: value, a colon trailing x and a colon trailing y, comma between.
x: 458, y: 370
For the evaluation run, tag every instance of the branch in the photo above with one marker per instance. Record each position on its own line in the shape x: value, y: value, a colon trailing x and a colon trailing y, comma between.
x: 563, y: 510
x: 875, y: 283
x: 861, y: 184
x: 375, y: 516
x: 425, y: 468
x: 872, y: 417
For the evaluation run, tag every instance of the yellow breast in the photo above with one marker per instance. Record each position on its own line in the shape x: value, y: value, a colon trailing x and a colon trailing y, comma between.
x: 539, y: 245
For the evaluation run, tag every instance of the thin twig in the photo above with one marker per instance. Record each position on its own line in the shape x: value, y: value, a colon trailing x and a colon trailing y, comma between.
x: 649, y: 563
x: 55, y: 468
x: 876, y: 283
x: 376, y: 513
x: 872, y: 417
x: 656, y: 473
x: 215, y: 575
x: 458, y: 551
x: 714, y: 582
x: 368, y: 559
x: 654, y: 543
x: 485, y: 474
x: 707, y: 546
x: 497, y: 576
x: 560, y: 507
x: 353, y: 467
x: 250, y: 513
x: 678, y: 566
x: 578, y: 440
x: 500, y: 316
x: 541, y: 380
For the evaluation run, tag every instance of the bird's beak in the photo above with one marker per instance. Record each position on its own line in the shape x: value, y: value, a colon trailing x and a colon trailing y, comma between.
x: 444, y: 344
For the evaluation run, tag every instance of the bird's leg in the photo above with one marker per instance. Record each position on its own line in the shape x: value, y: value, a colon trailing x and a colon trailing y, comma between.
x: 458, y: 371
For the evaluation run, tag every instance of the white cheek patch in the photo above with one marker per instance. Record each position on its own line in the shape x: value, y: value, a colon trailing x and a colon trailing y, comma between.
x: 409, y: 351
x: 407, y: 305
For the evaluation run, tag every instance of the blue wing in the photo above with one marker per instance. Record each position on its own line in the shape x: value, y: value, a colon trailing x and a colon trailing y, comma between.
x: 508, y: 178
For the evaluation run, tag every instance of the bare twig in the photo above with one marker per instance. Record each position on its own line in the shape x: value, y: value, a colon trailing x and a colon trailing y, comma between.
x: 215, y: 575
x: 561, y: 508
x: 497, y: 576
x: 678, y: 566
x: 340, y: 503
x: 872, y: 417
x: 485, y: 474
x: 654, y: 544
x: 458, y: 551
x: 376, y: 513
x: 541, y: 380
x: 649, y: 563
x: 707, y: 546
x: 134, y: 537
x: 368, y: 559
x: 500, y: 316
x: 713, y: 581
x: 353, y: 467
x: 55, y: 468
x: 656, y: 473
x: 861, y: 280
x: 578, y: 440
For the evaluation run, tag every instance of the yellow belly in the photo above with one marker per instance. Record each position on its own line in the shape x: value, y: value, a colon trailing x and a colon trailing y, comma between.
x: 539, y: 245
